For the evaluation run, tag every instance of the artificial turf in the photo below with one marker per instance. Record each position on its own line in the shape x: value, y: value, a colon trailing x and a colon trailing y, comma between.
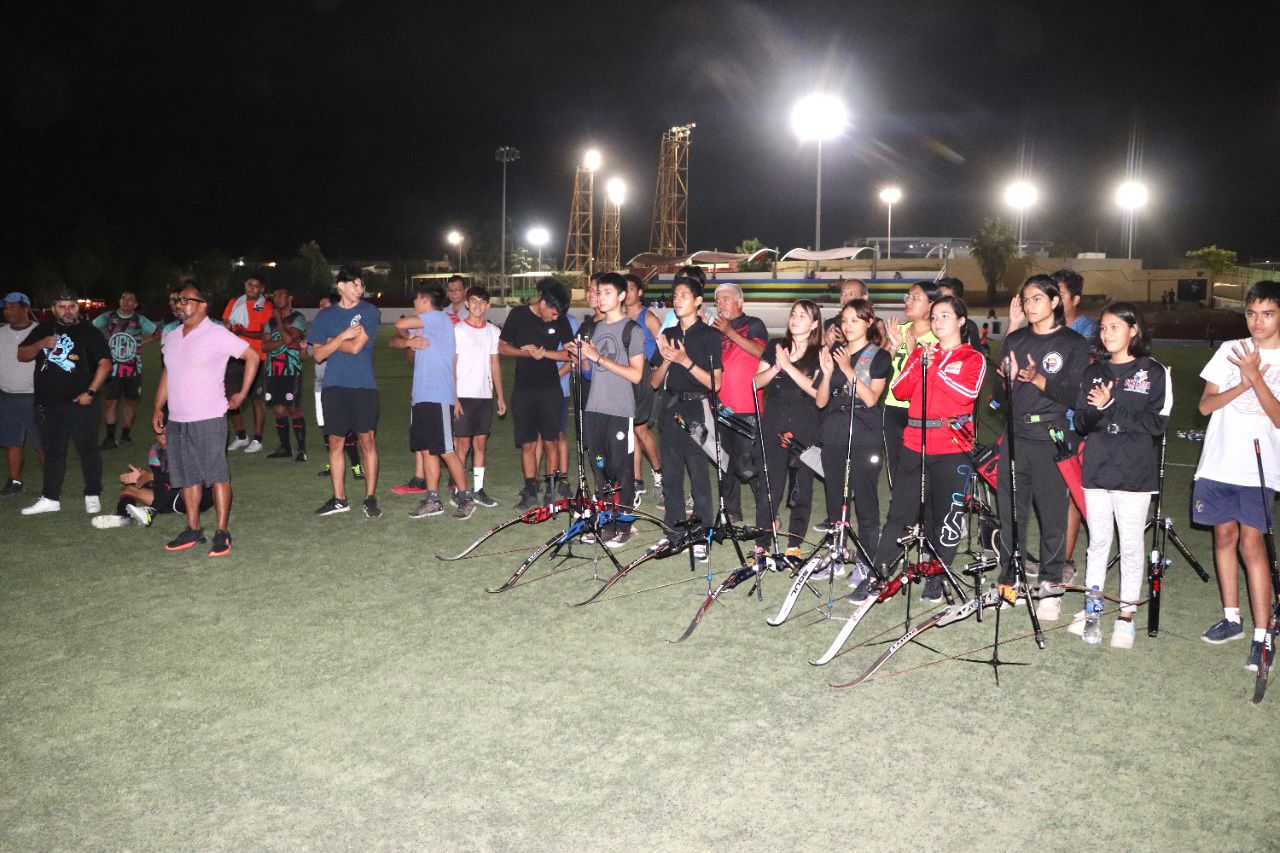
x: 331, y: 684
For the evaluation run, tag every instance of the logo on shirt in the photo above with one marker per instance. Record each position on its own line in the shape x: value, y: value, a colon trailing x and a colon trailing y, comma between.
x: 355, y: 321
x: 1052, y: 362
x: 124, y: 347
x: 954, y: 367
x: 1138, y: 383
x: 62, y: 354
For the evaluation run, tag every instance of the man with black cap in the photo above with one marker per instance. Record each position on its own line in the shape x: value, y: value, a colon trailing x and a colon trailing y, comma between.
x: 72, y: 362
x: 17, y: 394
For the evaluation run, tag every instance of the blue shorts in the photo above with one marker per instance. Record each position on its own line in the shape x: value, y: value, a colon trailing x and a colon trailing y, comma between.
x: 1215, y: 503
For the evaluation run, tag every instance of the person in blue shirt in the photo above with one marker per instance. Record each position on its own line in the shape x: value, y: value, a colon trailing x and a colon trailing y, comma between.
x: 341, y: 337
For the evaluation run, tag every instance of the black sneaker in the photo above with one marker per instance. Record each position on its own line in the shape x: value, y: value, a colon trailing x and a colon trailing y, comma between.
x: 1223, y: 631
x: 562, y: 489
x: 528, y: 498
x: 1256, y: 650
x: 333, y: 506
x: 548, y: 494
x: 482, y: 497
x: 221, y: 544
x: 861, y: 591
x: 638, y: 485
x: 932, y: 590
x: 108, y: 444
x: 302, y: 457
x: 371, y: 508
x: 824, y: 527
x: 323, y: 472
x: 13, y: 487
x: 186, y: 539
x: 280, y: 452
x: 126, y: 440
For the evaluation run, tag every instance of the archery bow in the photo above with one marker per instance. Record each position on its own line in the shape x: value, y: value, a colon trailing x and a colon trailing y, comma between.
x: 684, y: 538
x: 534, y: 515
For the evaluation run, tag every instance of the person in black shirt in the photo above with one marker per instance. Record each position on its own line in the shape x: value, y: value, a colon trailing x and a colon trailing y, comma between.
x: 788, y: 370
x: 72, y: 362
x: 687, y: 365
x: 533, y: 335
x: 1045, y: 361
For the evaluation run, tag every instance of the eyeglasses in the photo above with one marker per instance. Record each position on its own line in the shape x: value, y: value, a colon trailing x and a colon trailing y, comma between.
x: 183, y: 300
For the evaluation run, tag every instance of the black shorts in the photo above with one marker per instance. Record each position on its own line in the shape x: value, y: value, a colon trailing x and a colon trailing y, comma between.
x: 282, y: 390
x: 644, y: 400
x: 431, y: 428
x: 234, y: 378
x: 123, y: 387
x: 169, y: 500
x: 349, y: 410
x: 476, y: 417
x: 536, y: 415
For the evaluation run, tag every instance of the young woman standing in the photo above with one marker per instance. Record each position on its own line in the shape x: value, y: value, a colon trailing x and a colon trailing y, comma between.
x: 1122, y: 407
x: 902, y: 340
x: 854, y: 375
x: 787, y: 370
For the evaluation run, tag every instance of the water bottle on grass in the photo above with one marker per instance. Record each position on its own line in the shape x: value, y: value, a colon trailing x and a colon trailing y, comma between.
x: 1092, y: 617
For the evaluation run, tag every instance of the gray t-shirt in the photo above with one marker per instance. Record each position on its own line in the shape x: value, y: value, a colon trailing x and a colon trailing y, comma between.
x: 610, y: 393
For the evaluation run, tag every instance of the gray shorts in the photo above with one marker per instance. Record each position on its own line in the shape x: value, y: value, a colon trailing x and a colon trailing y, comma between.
x: 198, y: 453
x: 18, y: 420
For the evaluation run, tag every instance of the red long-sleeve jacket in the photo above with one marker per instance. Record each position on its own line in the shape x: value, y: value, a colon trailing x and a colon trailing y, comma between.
x: 955, y: 378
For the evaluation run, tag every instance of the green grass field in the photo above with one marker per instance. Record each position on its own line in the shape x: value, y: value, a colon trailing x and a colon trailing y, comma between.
x: 332, y: 685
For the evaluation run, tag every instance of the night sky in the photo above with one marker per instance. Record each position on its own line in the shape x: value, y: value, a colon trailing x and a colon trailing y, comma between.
x: 371, y: 127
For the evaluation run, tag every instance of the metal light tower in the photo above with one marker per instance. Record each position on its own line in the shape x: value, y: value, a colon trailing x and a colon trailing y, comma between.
x: 1020, y: 195
x: 580, y: 240
x: 819, y: 117
x: 669, y: 229
x: 538, y: 237
x: 615, y: 192
x: 1131, y: 196
x: 504, y: 155
x: 455, y: 239
x: 890, y: 196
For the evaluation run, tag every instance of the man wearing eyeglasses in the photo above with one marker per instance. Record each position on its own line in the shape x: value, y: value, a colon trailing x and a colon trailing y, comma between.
x: 195, y: 364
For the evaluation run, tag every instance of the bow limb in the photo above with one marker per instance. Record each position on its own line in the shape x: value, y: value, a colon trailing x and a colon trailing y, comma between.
x: 556, y: 541
x: 1108, y: 596
x: 739, y: 576
x: 535, y: 515
x: 493, y: 531
x: 619, y: 575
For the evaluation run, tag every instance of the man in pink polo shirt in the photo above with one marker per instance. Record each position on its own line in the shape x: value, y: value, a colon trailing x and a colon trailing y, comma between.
x: 195, y: 362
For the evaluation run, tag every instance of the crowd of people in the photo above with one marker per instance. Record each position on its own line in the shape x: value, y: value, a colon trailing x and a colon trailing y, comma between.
x: 899, y: 398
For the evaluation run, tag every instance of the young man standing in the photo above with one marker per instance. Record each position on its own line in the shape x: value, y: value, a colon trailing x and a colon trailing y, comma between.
x: 429, y: 334
x: 72, y: 363
x: 533, y: 335
x: 342, y: 335
x: 616, y: 354
x: 742, y: 341
x: 192, y: 386
x: 17, y: 390
x: 479, y: 377
x: 456, y: 290
x: 247, y: 316
x: 282, y: 388
x: 126, y: 332
x: 687, y: 366
x: 1241, y: 387
x: 647, y: 398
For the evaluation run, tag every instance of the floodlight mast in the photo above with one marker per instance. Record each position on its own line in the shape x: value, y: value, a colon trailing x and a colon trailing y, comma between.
x: 538, y: 237
x: 1131, y: 196
x: 504, y: 155
x: 1021, y: 195
x: 819, y: 117
x: 890, y: 196
x: 455, y: 239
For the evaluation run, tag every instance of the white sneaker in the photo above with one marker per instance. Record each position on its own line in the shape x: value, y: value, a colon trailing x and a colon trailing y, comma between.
x: 42, y: 505
x: 238, y: 444
x: 253, y: 446
x: 141, y: 514
x: 1077, y: 623
x: 1122, y: 634
x: 1049, y: 609
x: 107, y: 522
x: 92, y: 504
x: 700, y: 552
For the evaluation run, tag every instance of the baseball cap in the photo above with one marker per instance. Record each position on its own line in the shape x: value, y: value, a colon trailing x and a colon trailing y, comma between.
x: 65, y: 295
x: 17, y: 297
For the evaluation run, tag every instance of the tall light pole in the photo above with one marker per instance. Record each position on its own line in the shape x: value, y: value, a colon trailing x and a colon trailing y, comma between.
x: 615, y: 192
x: 538, y: 237
x: 455, y: 239
x: 1131, y: 196
x: 1020, y: 195
x: 890, y: 196
x: 819, y: 117
x: 504, y: 155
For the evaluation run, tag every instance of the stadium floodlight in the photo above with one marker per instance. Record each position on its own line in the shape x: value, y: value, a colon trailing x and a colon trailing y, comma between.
x: 817, y: 118
x: 616, y: 191
x: 538, y: 237
x: 591, y: 160
x: 1131, y: 196
x: 1021, y: 195
x: 890, y: 196
x: 455, y: 239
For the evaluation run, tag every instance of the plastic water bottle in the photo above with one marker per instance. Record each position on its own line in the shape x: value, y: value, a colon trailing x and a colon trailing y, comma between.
x: 1093, y: 617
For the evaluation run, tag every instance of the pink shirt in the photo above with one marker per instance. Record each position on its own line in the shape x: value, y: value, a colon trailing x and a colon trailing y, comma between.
x: 195, y: 364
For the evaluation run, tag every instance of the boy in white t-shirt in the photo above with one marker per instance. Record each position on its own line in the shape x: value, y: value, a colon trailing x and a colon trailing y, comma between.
x: 479, y: 377
x: 1242, y: 397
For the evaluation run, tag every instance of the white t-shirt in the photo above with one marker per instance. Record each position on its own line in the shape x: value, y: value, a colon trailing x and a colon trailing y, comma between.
x: 456, y: 315
x: 475, y: 346
x: 15, y: 377
x: 1228, y: 442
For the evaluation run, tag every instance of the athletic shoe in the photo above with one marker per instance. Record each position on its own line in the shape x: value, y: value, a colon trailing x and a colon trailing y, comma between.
x: 700, y: 552
x: 126, y: 440
x: 528, y: 498
x: 323, y: 472
x: 427, y: 508
x: 92, y: 504
x: 301, y: 457
x: 824, y: 527
x: 253, y: 447
x: 588, y: 539
x: 371, y: 508
x: 932, y: 590
x: 221, y: 544
x: 466, y: 506
x: 357, y: 471
x: 1223, y: 631
x: 482, y: 497
x: 562, y: 489
x: 1256, y: 649
x: 1122, y: 634
x: 661, y: 543
x: 453, y: 495
x: 13, y: 487
x: 143, y: 515
x: 415, y: 486
x: 1049, y: 589
x: 333, y: 506
x: 638, y: 500
x: 795, y: 552
x: 184, y: 540
x: 107, y: 522
x: 280, y: 452
x: 619, y: 539
x: 1076, y: 625
x: 1049, y: 609
x: 548, y: 493
x: 861, y: 591
x: 42, y: 505
x: 858, y: 574
x: 638, y: 485
x: 108, y: 444
x: 237, y: 444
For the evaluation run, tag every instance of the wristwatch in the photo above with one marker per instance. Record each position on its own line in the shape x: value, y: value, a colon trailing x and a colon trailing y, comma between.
x: 91, y: 392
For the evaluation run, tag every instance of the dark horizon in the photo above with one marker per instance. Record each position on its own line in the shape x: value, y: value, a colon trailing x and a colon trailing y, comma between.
x: 255, y: 129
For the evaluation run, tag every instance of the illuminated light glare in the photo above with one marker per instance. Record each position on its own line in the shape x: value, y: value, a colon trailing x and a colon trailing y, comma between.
x: 819, y: 117
x: 1132, y: 195
x: 591, y: 160
x: 454, y: 238
x: 891, y: 195
x: 538, y: 237
x: 1020, y: 195
x: 616, y: 191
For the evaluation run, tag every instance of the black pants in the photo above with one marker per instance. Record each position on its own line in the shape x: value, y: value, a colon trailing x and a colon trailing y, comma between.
x: 945, y: 479
x: 865, y: 464
x: 58, y: 425
x: 609, y: 443
x: 796, y: 417
x: 681, y: 454
x: 895, y: 424
x: 744, y: 455
x: 1040, y: 484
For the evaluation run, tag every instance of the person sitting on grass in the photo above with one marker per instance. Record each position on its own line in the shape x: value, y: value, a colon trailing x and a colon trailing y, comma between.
x: 147, y: 493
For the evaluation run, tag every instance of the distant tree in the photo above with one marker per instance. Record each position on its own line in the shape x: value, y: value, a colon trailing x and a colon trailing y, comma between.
x: 158, y: 276
x: 1214, y: 259
x: 520, y: 259
x: 308, y: 274
x: 993, y: 247
x: 749, y: 247
x: 214, y: 272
